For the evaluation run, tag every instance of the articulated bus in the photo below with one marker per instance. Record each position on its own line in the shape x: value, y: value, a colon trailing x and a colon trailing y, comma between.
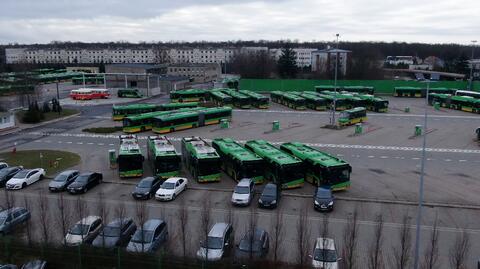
x: 221, y: 99
x: 314, y: 102
x: 420, y: 92
x: 468, y: 93
x: 189, y: 95
x: 352, y: 100
x: 239, y: 100
x: 465, y: 103
x: 239, y: 162
x: 130, y: 158
x: 441, y: 98
x: 121, y: 111
x: 352, y: 116
x: 259, y: 100
x: 163, y: 157
x: 281, y: 168
x: 321, y: 169
x: 321, y: 88
x: 200, y: 159
x: 276, y: 96
x: 182, y: 120
x: 175, y: 106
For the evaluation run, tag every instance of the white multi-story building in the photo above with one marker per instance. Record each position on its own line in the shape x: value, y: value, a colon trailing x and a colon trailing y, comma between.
x: 323, y: 61
x: 303, y: 55
x: 201, y: 55
x: 396, y: 60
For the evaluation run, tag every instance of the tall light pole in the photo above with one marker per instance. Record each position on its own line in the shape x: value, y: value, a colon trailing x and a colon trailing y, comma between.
x: 420, y: 190
x: 470, y: 85
x: 332, y: 118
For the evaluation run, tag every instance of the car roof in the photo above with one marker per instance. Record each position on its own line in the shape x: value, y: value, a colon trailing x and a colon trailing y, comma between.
x: 218, y: 229
x: 10, y: 210
x: 87, y: 173
x: 270, y: 186
x: 118, y: 222
x: 324, y: 190
x: 244, y: 182
x: 174, y: 179
x: 151, y: 224
x: 68, y: 172
x: 149, y: 179
x: 88, y: 220
x: 329, y: 243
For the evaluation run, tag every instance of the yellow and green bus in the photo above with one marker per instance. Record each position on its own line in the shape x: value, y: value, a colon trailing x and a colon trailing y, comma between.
x: 221, y: 99
x: 201, y: 160
x: 258, y: 100
x: 164, y: 159
x: 189, y: 95
x: 352, y: 116
x: 130, y: 158
x: 121, y: 111
x: 239, y: 100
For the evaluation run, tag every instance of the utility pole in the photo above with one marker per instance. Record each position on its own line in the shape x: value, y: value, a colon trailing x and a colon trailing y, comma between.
x: 58, y: 99
x: 470, y: 85
x: 334, y: 107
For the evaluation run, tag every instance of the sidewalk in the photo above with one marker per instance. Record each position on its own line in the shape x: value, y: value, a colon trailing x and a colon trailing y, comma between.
x: 23, y: 127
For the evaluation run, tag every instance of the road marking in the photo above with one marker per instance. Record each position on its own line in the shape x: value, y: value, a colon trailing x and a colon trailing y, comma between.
x: 38, y: 141
x: 462, y: 161
x: 415, y: 158
x: 79, y: 143
x: 69, y: 142
x: 59, y: 142
x: 100, y: 144
x: 340, y: 155
x: 384, y: 157
x: 448, y: 160
x: 371, y: 156
x: 111, y: 144
x: 90, y: 143
x: 47, y: 141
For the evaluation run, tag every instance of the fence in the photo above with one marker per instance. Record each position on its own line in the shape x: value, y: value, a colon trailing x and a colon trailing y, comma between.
x: 381, y: 86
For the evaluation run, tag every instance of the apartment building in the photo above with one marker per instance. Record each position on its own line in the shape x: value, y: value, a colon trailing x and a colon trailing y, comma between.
x: 200, y: 55
x: 197, y: 72
x: 303, y: 56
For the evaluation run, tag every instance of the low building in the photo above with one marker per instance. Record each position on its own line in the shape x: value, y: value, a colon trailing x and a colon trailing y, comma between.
x: 400, y: 60
x: 198, y: 73
x: 7, y: 120
x: 323, y: 61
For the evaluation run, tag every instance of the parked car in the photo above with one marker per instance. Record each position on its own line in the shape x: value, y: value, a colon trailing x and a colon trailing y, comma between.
x: 243, y: 192
x: 24, y: 178
x: 323, y: 199
x: 219, y: 242
x: 62, y: 180
x: 117, y: 233
x: 325, y: 254
x: 7, y: 173
x: 171, y: 188
x: 8, y: 266
x: 11, y: 218
x: 84, y: 182
x: 146, y: 188
x: 84, y: 231
x: 270, y: 196
x: 3, y: 165
x: 35, y: 264
x: 256, y: 247
x: 150, y: 237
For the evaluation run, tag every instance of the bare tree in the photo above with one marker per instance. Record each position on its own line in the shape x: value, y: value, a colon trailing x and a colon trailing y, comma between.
x: 43, y: 211
x: 81, y: 209
x: 324, y: 231
x: 102, y: 211
x: 350, y: 238
x: 375, y: 254
x: 431, y: 253
x: 9, y: 201
x: 252, y: 226
x: 402, y: 253
x: 28, y: 226
x: 63, y: 215
x: 459, y: 251
x: 183, y: 222
x: 303, y: 234
x: 205, y: 222
x: 141, y: 214
x: 277, y: 235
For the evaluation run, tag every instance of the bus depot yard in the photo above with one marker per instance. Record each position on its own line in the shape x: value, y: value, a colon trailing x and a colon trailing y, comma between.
x: 382, y: 161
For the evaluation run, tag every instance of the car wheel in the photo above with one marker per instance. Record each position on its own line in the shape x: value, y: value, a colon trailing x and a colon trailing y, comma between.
x: 174, y: 196
x: 85, y: 190
x: 24, y: 185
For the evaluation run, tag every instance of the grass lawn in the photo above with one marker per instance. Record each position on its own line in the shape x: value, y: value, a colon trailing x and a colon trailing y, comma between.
x: 50, y: 115
x: 31, y: 159
x: 103, y: 130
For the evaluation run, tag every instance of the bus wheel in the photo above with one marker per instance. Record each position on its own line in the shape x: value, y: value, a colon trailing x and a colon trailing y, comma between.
x: 142, y: 129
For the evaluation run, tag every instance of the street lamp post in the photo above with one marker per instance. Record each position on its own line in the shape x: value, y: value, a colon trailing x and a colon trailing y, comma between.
x: 470, y: 85
x: 420, y: 191
x: 334, y: 107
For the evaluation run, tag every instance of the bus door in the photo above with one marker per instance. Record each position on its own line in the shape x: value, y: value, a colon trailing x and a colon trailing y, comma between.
x: 201, y: 119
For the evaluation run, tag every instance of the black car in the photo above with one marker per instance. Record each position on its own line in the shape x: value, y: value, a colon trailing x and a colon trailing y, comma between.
x: 323, y: 199
x: 62, y: 180
x: 84, y: 182
x: 146, y: 188
x: 256, y: 247
x: 270, y: 196
x: 7, y: 173
x: 117, y: 233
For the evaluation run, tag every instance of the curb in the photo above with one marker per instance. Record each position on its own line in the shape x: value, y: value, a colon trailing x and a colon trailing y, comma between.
x: 19, y: 129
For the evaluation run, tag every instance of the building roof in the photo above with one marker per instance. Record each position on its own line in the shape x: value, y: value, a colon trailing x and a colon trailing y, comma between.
x: 132, y: 65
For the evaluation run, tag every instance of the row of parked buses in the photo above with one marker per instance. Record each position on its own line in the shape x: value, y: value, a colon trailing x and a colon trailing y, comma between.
x: 222, y: 97
x: 467, y: 101
x: 288, y: 166
x: 89, y: 94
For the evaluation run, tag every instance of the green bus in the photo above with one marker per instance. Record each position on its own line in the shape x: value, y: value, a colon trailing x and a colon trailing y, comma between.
x: 321, y: 88
x: 141, y: 122
x: 352, y: 116
x: 189, y: 95
x: 293, y: 101
x: 321, y: 169
x: 420, y: 92
x: 314, y: 102
x: 175, y: 106
x: 164, y: 159
x: 129, y: 93
x: 441, y: 98
x: 237, y: 161
x: 276, y: 96
x: 200, y: 159
x: 121, y: 111
x: 221, y: 99
x: 239, y: 100
x: 359, y: 89
x: 340, y: 103
x: 259, y: 100
x: 374, y: 103
x: 465, y: 103
x: 130, y: 158
x: 182, y: 120
x: 281, y: 168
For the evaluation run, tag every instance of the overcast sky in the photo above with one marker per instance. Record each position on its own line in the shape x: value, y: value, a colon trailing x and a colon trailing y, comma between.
x: 41, y: 21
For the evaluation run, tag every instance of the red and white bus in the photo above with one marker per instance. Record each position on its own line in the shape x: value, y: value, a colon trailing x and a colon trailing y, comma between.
x: 89, y: 94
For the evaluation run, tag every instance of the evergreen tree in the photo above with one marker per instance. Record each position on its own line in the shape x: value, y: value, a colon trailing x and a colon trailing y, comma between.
x: 287, y: 65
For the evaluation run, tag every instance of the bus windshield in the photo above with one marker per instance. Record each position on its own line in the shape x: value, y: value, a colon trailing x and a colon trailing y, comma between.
x: 208, y: 167
x: 130, y: 162
x: 291, y: 172
x: 166, y: 164
x: 251, y: 169
x: 336, y: 175
x: 127, y: 122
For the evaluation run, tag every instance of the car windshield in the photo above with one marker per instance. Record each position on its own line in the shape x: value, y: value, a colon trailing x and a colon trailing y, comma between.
x: 213, y: 243
x: 247, y: 245
x: 142, y: 236
x: 79, y: 229
x: 242, y: 190
x: 2, y: 220
x: 144, y: 184
x: 269, y: 191
x: 168, y: 185
x: 324, y: 194
x: 22, y: 174
x: 325, y: 255
x: 82, y: 179
x: 61, y: 178
x: 111, y: 231
x: 4, y: 172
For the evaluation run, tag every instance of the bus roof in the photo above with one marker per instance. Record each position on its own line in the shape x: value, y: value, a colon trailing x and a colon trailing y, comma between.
x: 180, y: 105
x: 219, y: 94
x: 129, y: 145
x: 230, y: 147
x: 465, y: 98
x: 253, y: 94
x: 272, y: 154
x: 189, y: 91
x: 133, y: 106
x: 161, y: 146
x: 149, y: 115
x: 199, y: 148
x: 356, y: 109
x: 235, y: 94
x: 293, y: 97
x: 316, y: 156
x: 176, y: 115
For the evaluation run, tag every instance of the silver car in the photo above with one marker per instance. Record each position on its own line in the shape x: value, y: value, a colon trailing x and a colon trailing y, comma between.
x: 218, y: 244
x: 11, y: 218
x: 150, y: 237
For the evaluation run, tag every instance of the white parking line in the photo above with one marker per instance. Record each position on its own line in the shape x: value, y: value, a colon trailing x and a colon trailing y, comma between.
x: 69, y: 142
x: 100, y: 144
x: 371, y: 156
x: 462, y: 161
x: 448, y: 160
x: 415, y: 158
x: 384, y: 157
x: 79, y: 143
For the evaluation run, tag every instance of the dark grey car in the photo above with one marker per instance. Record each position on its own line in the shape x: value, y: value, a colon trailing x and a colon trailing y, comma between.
x: 146, y: 188
x: 117, y: 233
x: 270, y: 196
x: 150, y: 237
x: 62, y: 180
x: 7, y: 173
x: 11, y: 218
x: 256, y: 247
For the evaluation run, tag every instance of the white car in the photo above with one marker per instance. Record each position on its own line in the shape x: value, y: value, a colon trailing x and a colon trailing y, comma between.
x: 25, y: 177
x: 171, y: 188
x: 325, y: 254
x: 243, y: 192
x: 84, y: 231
